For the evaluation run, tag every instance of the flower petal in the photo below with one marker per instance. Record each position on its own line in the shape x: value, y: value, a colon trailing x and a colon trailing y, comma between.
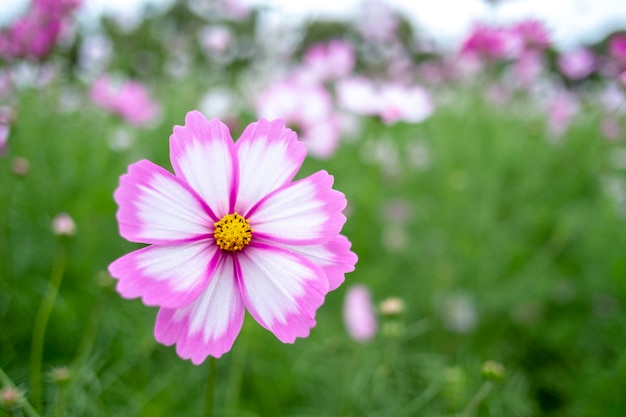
x: 334, y: 257
x: 157, y: 207
x: 208, y: 326
x: 166, y: 275
x: 202, y: 153
x: 269, y: 156
x: 282, y: 290
x: 305, y: 212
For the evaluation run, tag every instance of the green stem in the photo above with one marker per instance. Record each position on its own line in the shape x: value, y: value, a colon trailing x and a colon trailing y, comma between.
x: 209, y: 401
x: 61, y: 400
x: 41, y: 322
x: 24, y: 404
x: 235, y: 374
x: 478, y: 398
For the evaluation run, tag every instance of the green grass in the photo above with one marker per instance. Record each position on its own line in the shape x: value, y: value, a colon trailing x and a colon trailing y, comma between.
x: 521, y: 226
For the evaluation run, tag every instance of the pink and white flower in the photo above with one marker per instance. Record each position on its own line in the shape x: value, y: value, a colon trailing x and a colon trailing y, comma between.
x: 129, y: 99
x: 359, y: 315
x: 6, y: 117
x: 392, y: 102
x: 34, y: 34
x: 230, y: 231
x: 617, y: 50
x: 410, y: 104
x: 533, y: 33
x: 491, y: 43
x: 308, y: 109
x: 328, y: 61
x: 577, y: 64
x: 562, y: 108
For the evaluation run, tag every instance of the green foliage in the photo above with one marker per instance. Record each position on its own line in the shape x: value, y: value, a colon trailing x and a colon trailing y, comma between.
x: 519, y: 226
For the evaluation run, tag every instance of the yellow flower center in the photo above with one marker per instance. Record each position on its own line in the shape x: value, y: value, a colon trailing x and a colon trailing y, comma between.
x: 232, y: 232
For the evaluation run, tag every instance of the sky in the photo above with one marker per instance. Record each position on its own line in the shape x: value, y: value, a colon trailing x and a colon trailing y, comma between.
x: 571, y: 21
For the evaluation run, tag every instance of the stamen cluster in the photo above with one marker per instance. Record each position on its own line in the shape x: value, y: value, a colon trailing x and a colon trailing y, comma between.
x: 233, y: 232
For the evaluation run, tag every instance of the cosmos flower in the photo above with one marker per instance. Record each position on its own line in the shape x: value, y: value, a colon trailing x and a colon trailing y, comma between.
x: 308, y: 109
x: 617, y: 50
x: 359, y: 315
x: 562, y: 108
x: 392, y: 102
x: 128, y: 99
x: 533, y: 33
x: 6, y: 117
x: 491, y: 43
x: 328, y: 61
x: 399, y: 103
x: 34, y: 34
x: 577, y: 64
x: 230, y: 231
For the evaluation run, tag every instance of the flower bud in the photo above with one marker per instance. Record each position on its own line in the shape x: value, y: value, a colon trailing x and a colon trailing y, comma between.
x: 391, y: 306
x: 20, y: 166
x: 61, y: 375
x: 63, y: 225
x: 10, y: 397
x: 493, y: 370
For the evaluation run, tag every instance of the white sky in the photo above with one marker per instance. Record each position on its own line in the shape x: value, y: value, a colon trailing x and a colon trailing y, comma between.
x: 570, y: 21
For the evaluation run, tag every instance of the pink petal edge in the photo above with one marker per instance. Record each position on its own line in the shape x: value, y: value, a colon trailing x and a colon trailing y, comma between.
x: 208, y: 326
x: 166, y: 276
x: 156, y: 207
x: 305, y: 212
x: 281, y: 289
x: 269, y: 156
x: 202, y: 153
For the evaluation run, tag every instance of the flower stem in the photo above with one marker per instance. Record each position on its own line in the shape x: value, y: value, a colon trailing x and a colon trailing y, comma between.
x: 41, y: 322
x: 209, y: 401
x: 482, y: 393
x: 24, y: 404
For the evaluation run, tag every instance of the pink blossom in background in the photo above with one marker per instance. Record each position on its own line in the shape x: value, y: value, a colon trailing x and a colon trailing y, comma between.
x: 617, y: 50
x: 561, y: 110
x: 216, y: 39
x: 533, y: 34
x: 308, y: 109
x: 411, y: 104
x: 35, y: 34
x: 528, y: 67
x: 491, y: 43
x: 127, y: 99
x: 613, y: 99
x: 622, y: 79
x: 230, y: 231
x: 377, y: 22
x: 392, y: 102
x: 329, y: 61
x: 6, y: 117
x: 359, y: 315
x: 236, y: 9
x: 357, y: 95
x: 577, y: 64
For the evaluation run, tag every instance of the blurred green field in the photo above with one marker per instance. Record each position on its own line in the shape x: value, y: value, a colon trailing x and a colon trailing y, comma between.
x: 475, y: 210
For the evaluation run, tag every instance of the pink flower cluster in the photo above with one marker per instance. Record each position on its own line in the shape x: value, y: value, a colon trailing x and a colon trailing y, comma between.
x: 303, y: 100
x: 36, y: 33
x: 127, y: 99
x: 314, y: 96
x: 391, y: 101
x: 506, y: 42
